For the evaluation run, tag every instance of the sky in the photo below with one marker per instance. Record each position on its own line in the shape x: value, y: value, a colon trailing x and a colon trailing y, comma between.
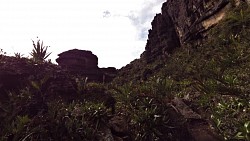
x: 114, y: 30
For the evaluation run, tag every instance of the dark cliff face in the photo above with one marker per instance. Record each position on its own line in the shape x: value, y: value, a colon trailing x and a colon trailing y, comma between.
x: 181, y: 22
x: 162, y: 39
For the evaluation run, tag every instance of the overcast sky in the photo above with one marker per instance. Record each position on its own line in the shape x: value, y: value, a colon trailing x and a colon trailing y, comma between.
x: 114, y: 30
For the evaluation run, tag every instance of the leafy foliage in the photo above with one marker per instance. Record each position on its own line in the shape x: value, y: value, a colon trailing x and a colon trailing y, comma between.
x: 62, y: 121
x: 151, y: 118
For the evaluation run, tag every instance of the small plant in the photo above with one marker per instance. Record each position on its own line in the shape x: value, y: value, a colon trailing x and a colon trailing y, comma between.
x: 2, y: 52
x: 18, y: 55
x: 81, y: 84
x: 244, y: 132
x: 39, y: 53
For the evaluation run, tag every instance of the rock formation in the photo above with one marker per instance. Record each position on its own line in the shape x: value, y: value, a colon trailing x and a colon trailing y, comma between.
x: 182, y: 21
x: 77, y: 60
x: 162, y: 38
x: 85, y: 63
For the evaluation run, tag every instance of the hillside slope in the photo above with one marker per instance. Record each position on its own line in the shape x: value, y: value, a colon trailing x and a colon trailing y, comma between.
x: 202, y: 57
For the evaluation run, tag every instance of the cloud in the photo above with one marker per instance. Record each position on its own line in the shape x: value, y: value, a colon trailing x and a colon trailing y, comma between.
x: 106, y: 14
x: 141, y: 19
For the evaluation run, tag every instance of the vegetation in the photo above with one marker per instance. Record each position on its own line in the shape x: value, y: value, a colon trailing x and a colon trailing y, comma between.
x: 39, y: 53
x: 18, y: 55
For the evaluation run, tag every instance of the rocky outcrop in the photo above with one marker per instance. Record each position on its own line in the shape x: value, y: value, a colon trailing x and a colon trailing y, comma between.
x: 76, y: 60
x: 191, y: 17
x: 85, y: 64
x: 182, y: 21
x: 162, y: 39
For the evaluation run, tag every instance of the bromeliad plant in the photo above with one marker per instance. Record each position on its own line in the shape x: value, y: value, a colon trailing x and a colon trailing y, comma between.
x: 39, y: 53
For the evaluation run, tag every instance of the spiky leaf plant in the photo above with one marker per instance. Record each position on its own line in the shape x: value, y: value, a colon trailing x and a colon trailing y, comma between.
x: 39, y: 52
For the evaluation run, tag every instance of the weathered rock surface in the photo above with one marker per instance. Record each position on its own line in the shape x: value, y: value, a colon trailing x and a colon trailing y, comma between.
x: 85, y: 63
x: 182, y: 21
